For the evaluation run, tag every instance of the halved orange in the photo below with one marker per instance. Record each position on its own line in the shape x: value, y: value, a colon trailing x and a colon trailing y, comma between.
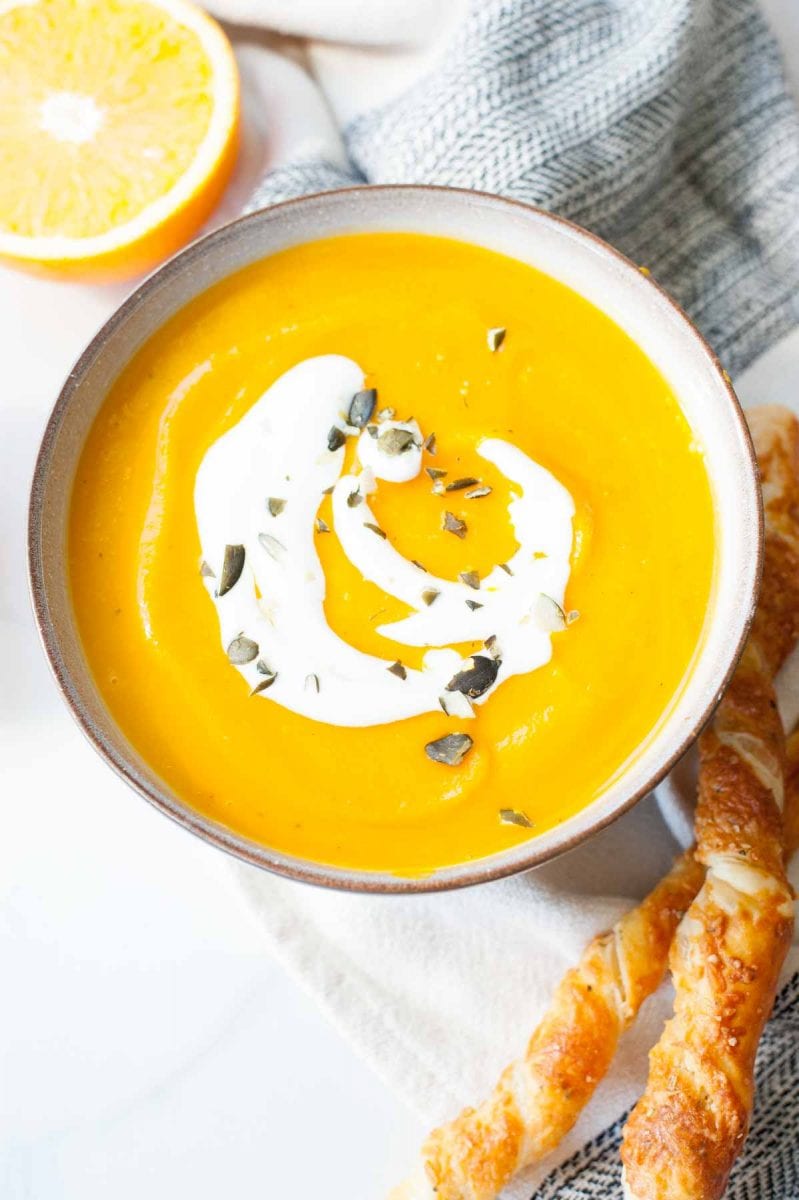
x: 118, y: 131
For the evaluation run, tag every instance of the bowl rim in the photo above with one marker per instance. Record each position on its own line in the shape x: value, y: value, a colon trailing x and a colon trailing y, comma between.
x: 358, y: 880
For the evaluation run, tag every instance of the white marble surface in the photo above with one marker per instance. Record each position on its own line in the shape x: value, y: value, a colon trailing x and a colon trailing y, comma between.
x: 148, y: 1046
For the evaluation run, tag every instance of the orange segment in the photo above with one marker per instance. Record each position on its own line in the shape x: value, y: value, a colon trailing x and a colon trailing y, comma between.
x: 118, y: 130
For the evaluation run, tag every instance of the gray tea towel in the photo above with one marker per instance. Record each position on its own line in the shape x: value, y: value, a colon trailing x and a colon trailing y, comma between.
x: 665, y: 126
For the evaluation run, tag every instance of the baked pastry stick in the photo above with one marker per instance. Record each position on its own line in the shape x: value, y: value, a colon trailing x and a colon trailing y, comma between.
x: 540, y: 1096
x: 685, y: 1133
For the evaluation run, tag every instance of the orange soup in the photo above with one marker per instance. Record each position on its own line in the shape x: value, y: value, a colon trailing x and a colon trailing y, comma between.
x: 507, y: 421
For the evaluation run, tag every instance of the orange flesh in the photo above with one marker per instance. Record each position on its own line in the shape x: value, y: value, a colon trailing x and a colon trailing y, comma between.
x: 106, y: 105
x: 567, y: 386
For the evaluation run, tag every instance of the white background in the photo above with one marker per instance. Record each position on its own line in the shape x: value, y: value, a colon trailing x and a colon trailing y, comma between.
x: 148, y: 1045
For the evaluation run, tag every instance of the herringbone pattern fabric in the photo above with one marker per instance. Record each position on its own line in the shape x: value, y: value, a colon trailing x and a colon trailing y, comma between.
x: 768, y: 1168
x: 663, y: 125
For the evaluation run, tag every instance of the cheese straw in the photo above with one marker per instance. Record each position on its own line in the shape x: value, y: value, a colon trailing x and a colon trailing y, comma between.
x: 538, y: 1098
x: 687, y: 1130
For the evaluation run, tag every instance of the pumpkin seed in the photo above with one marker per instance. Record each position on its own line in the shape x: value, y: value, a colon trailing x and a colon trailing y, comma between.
x: 548, y: 614
x: 491, y: 646
x: 478, y: 675
x: 396, y: 441
x: 264, y: 684
x: 361, y: 408
x: 511, y: 816
x: 453, y: 524
x: 450, y: 750
x: 458, y: 485
x: 232, y: 567
x: 335, y: 438
x: 272, y: 546
x: 242, y: 650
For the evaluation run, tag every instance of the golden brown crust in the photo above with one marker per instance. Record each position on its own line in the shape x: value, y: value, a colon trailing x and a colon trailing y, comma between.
x: 741, y: 776
x: 538, y: 1098
x: 685, y: 1133
x: 776, y: 624
x: 791, y: 812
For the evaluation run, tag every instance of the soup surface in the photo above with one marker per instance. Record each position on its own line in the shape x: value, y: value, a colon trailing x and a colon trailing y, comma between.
x: 563, y: 385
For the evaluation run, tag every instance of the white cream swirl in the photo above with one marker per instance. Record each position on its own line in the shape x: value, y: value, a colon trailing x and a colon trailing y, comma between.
x: 279, y: 451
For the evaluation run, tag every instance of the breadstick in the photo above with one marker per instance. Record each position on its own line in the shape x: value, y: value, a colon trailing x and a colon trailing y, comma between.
x: 685, y: 1133
x: 539, y: 1097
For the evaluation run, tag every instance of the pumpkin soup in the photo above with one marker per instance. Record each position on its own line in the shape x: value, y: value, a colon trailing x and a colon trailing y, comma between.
x: 390, y: 552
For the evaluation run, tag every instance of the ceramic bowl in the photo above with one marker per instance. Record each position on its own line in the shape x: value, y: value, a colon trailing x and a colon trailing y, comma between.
x: 569, y: 254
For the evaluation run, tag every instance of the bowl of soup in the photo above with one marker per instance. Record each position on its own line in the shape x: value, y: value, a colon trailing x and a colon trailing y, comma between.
x: 395, y: 538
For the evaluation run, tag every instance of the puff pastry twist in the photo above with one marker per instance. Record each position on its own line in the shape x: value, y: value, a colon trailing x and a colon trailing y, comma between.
x: 538, y: 1098
x: 685, y: 1133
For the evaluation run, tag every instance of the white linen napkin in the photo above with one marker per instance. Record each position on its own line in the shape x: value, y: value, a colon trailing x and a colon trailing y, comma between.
x: 554, y: 103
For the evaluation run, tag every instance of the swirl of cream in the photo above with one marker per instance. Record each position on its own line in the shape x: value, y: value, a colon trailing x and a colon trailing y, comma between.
x: 279, y: 451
